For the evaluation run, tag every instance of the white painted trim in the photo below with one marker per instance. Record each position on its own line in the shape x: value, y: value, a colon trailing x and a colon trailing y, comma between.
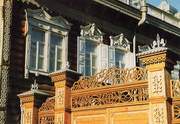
x: 78, y: 54
x: 47, y: 50
x: 41, y: 20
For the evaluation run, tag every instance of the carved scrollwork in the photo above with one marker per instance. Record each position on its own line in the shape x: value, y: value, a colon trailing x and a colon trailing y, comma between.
x: 158, y: 115
x: 48, y: 105
x: 92, y: 32
x: 175, y: 88
x: 176, y: 111
x: 157, y: 44
x: 110, y: 97
x: 156, y: 80
x: 59, y: 97
x: 157, y: 84
x: 46, y: 120
x: 60, y: 118
x: 28, y: 116
x: 120, y: 41
x: 111, y: 76
x: 46, y: 111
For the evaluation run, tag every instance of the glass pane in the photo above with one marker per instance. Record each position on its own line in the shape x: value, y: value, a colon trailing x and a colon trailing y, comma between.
x: 40, y: 63
x: 37, y: 35
x: 33, y: 61
x: 55, y: 52
x: 37, y: 38
x: 59, y: 54
x: 90, y: 58
x: 41, y: 49
x: 82, y: 46
x: 87, y: 70
x: 52, y: 59
x: 118, y: 58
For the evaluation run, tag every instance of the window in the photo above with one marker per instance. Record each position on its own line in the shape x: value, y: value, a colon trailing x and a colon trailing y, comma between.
x: 55, y: 52
x: 88, y: 48
x: 93, y: 55
x: 46, y: 44
x: 119, y: 52
x: 116, y: 57
x: 88, y: 57
x: 37, y: 49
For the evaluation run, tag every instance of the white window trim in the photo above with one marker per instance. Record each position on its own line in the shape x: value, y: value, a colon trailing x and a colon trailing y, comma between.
x: 86, y: 39
x: 42, y: 20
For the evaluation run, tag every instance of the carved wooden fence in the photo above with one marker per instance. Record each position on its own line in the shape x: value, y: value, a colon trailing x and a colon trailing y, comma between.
x: 176, y: 101
x: 111, y: 76
x: 110, y: 87
x: 46, y: 112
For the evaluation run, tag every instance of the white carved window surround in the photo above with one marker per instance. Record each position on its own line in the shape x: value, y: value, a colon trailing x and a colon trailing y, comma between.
x: 119, y: 52
x: 87, y: 50
x: 93, y: 55
x: 46, y: 42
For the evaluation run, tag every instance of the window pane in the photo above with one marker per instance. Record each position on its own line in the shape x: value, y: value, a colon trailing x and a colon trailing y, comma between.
x: 37, y: 49
x: 90, y: 58
x: 119, y: 58
x: 55, y: 52
x: 40, y: 63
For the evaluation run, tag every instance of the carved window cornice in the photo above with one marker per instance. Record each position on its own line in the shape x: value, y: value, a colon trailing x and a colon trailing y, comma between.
x: 92, y: 32
x: 120, y: 41
x: 42, y: 15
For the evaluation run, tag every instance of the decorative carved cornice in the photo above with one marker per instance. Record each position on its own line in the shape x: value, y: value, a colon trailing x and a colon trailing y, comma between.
x: 157, y: 44
x: 42, y: 15
x: 152, y: 58
x: 120, y: 41
x: 157, y: 56
x: 92, y: 32
x: 67, y: 75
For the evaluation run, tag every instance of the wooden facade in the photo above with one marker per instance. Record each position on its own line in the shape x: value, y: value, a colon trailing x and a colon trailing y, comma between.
x: 145, y: 95
x: 113, y: 95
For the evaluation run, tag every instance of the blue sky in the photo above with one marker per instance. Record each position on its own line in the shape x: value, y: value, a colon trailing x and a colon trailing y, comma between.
x: 175, y: 3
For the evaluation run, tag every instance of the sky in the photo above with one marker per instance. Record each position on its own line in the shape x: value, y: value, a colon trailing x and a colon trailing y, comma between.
x: 175, y: 3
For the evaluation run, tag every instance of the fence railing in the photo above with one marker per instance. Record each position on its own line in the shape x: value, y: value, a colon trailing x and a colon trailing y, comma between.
x: 133, y: 93
x: 175, y: 94
x: 46, y: 112
x: 111, y: 76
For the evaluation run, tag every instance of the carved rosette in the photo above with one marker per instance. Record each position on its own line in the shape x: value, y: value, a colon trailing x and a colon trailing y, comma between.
x: 157, y: 85
x: 158, y: 114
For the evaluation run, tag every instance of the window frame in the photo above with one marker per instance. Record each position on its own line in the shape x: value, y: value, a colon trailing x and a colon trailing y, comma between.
x: 86, y: 39
x: 41, y: 20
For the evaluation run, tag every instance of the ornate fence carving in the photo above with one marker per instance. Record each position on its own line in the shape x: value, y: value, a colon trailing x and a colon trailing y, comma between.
x: 111, y: 76
x: 175, y: 88
x: 109, y: 96
x: 177, y: 111
x: 46, y: 112
x: 176, y: 100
